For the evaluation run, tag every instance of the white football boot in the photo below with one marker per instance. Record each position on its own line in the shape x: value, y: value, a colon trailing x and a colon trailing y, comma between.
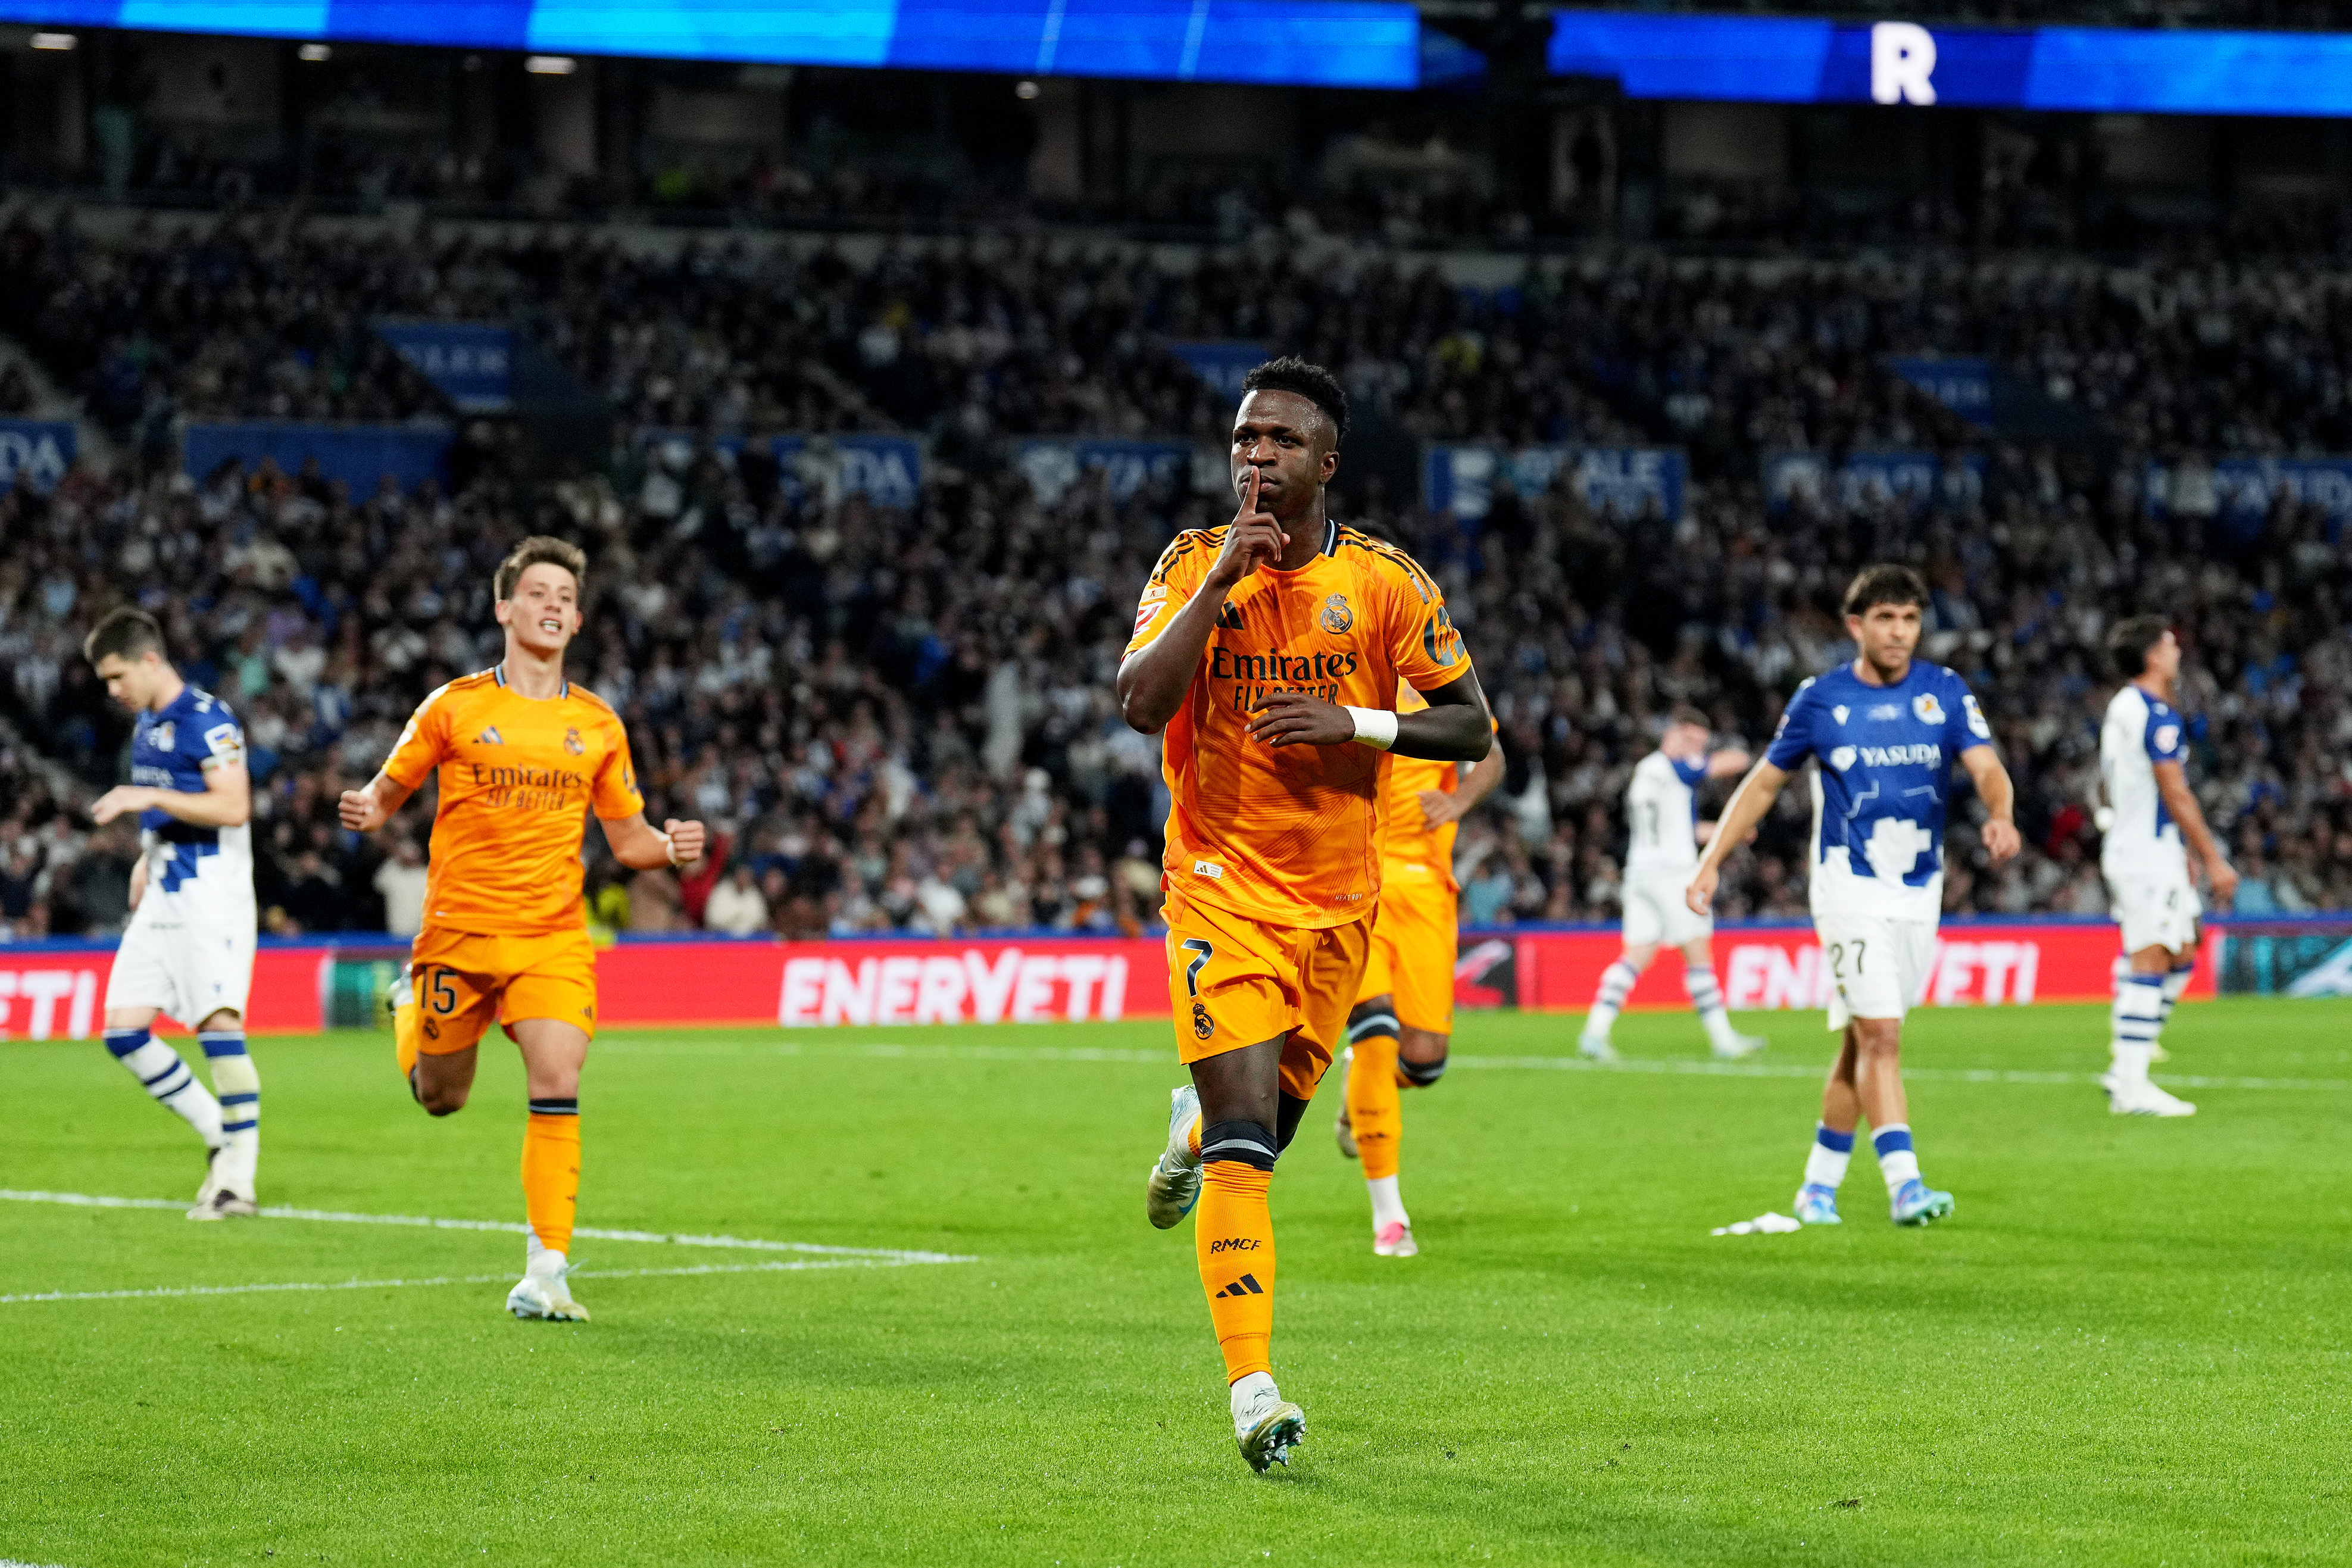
x: 543, y: 1292
x: 1267, y: 1426
x: 2144, y: 1099
x: 1175, y: 1182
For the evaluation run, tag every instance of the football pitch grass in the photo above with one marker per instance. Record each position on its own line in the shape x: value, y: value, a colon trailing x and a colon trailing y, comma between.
x: 2128, y: 1345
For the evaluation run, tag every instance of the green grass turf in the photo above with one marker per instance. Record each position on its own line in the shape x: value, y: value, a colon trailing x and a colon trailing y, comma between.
x: 2127, y: 1346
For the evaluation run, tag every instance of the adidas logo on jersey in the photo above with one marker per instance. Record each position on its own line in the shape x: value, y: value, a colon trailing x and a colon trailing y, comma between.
x: 490, y: 737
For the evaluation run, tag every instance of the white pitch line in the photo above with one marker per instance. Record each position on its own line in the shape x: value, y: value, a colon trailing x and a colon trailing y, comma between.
x: 1910, y: 1074
x: 898, y: 1050
x: 511, y: 1228
x: 777, y: 1266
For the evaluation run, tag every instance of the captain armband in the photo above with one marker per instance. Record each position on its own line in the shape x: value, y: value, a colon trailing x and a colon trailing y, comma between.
x: 1375, y: 727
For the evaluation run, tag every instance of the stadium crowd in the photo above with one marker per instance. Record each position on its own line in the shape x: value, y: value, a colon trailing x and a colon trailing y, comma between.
x: 900, y: 719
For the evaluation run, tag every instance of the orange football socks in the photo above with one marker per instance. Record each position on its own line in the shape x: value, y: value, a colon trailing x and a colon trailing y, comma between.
x: 1375, y: 1110
x: 1233, y: 1231
x: 551, y: 1171
x: 407, y: 1039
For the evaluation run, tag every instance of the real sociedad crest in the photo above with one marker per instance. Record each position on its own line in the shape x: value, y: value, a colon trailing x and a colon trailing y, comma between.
x: 1929, y: 711
x: 1336, y: 616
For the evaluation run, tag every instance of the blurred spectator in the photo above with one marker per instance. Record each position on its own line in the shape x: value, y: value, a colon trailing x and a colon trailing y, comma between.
x: 736, y: 906
x: 400, y: 882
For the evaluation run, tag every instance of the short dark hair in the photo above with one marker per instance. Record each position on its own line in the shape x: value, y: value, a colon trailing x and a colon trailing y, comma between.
x: 129, y: 632
x: 541, y: 550
x: 1309, y: 381
x: 1690, y: 713
x: 1884, y: 584
x: 2129, y: 640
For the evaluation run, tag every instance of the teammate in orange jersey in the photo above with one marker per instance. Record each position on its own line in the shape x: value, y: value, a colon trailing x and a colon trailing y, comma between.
x: 1403, y: 1019
x: 1270, y: 651
x: 523, y: 755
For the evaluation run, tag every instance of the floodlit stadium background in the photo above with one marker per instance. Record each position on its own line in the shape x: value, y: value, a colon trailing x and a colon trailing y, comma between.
x: 873, y: 391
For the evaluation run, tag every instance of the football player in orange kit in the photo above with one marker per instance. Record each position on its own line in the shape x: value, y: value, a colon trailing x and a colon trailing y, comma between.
x: 1403, y: 1019
x: 522, y: 755
x: 1270, y: 651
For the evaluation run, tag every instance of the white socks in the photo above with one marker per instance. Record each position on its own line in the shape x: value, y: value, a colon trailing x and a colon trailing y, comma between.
x: 1897, y: 1162
x: 159, y: 1070
x: 2138, y: 1018
x: 2175, y: 985
x: 1250, y: 1392
x: 1616, y: 982
x: 239, y: 1088
x: 1826, y: 1164
x: 1387, y: 1207
x: 1698, y: 979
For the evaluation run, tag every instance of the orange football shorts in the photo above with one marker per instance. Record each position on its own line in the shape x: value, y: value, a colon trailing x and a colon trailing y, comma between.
x: 464, y: 982
x: 1235, y: 981
x: 1414, y: 945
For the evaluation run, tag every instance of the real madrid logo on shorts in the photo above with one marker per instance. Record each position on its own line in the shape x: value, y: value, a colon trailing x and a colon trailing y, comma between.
x: 1203, y: 1025
x: 1336, y: 616
x: 1930, y: 712
x: 573, y: 742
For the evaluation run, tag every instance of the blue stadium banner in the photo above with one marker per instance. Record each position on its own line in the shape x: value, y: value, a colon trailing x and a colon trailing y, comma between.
x: 358, y: 454
x: 1962, y: 385
x: 2242, y: 490
x: 1053, y: 464
x: 1301, y: 43
x: 470, y: 364
x: 1220, y: 362
x: 1629, y: 480
x: 888, y: 470
x: 36, y: 451
x: 1868, y: 478
x: 1797, y: 60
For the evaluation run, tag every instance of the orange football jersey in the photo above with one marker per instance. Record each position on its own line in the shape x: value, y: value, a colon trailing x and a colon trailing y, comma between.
x: 1291, y: 834
x: 518, y: 777
x: 1403, y: 837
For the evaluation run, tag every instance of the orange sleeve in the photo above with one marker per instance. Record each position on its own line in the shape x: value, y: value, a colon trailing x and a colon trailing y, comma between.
x: 1426, y: 648
x: 617, y: 793
x: 1171, y: 586
x: 423, y: 743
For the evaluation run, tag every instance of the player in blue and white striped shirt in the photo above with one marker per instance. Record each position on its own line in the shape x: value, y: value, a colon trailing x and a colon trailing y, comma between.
x: 188, y: 950
x: 2149, y: 812
x: 1887, y: 730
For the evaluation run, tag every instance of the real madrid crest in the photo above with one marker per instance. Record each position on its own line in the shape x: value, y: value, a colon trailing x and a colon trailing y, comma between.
x: 573, y: 742
x: 1336, y: 616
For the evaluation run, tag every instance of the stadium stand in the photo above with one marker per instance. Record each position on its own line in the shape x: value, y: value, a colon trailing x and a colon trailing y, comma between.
x: 900, y: 718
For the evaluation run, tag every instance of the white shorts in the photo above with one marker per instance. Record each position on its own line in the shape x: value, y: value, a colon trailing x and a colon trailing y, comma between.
x: 191, y: 972
x: 2155, y: 912
x: 1655, y: 913
x: 1879, y: 966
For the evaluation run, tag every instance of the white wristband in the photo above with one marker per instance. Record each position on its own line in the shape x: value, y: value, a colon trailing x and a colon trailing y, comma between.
x: 668, y: 847
x: 1375, y: 727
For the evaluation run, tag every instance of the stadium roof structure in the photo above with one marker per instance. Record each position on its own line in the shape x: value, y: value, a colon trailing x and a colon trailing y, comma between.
x: 1320, y: 43
x: 1795, y: 59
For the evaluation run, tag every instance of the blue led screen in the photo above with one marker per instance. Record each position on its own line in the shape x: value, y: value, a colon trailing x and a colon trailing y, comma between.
x: 1770, y: 59
x: 1328, y: 43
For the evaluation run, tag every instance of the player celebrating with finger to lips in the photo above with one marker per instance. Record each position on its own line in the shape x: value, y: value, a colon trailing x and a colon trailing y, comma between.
x: 1270, y: 651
